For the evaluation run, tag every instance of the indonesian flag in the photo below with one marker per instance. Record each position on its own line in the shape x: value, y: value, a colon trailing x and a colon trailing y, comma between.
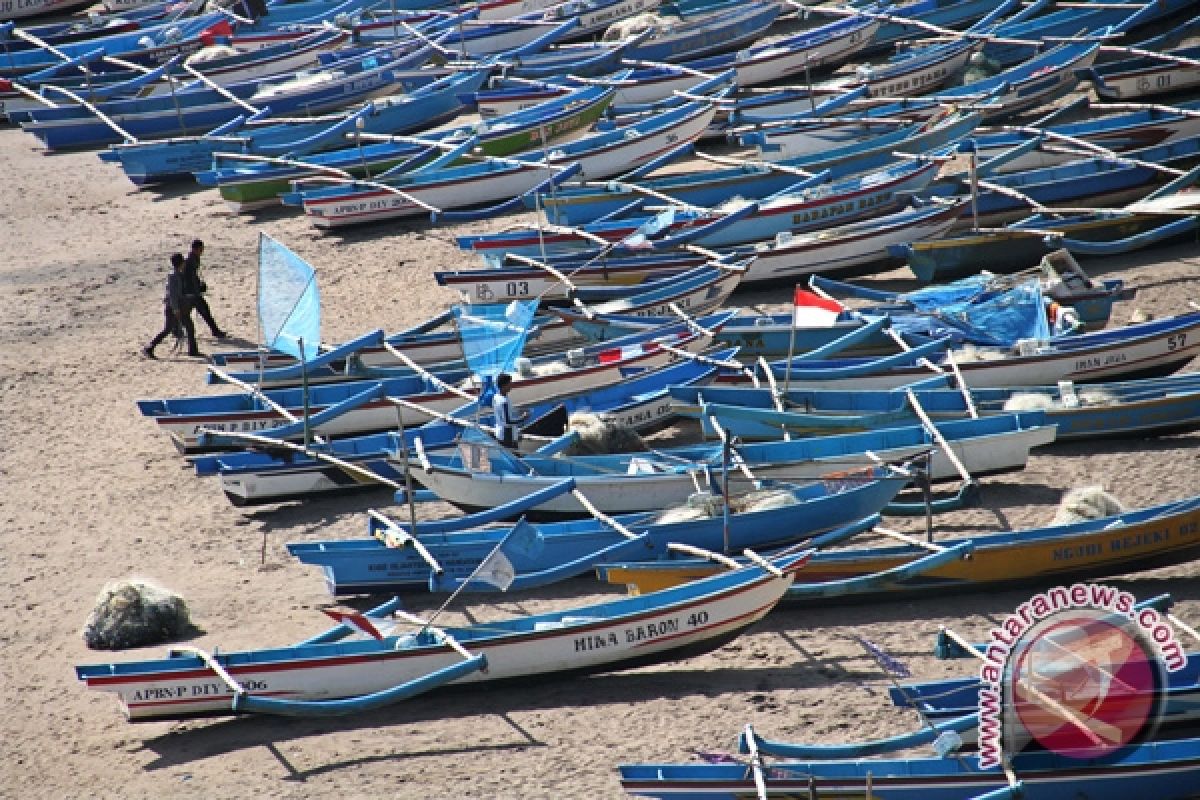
x: 814, y: 311
x: 356, y: 620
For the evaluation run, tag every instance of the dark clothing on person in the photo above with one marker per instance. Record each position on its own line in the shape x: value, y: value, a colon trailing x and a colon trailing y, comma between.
x: 194, y: 288
x: 176, y: 313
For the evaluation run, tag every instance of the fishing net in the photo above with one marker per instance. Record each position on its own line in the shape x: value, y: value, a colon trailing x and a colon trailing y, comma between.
x: 133, y: 613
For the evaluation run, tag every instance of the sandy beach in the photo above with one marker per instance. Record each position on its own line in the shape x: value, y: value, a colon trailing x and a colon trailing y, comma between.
x: 92, y: 493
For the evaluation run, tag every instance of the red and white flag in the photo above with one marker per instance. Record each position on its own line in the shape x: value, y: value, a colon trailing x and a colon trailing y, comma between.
x: 814, y: 311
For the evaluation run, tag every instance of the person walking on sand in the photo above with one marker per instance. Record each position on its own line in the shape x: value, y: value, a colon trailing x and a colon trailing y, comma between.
x: 176, y: 312
x: 195, y: 287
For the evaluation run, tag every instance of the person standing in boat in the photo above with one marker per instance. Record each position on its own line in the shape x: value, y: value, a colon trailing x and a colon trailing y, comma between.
x: 176, y: 313
x: 508, y: 429
x: 195, y: 287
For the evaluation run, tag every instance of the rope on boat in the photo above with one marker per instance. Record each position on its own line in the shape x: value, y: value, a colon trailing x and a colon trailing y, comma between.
x: 707, y: 555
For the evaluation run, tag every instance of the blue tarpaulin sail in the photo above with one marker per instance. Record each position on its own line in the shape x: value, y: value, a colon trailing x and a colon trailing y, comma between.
x: 289, y: 305
x: 972, y: 311
x: 492, y: 338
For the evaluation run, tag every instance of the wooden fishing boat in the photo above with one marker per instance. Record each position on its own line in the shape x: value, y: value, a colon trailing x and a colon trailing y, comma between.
x: 597, y: 155
x: 1062, y: 279
x: 1133, y: 540
x: 248, y: 185
x: 754, y: 180
x: 701, y: 291
x: 714, y: 29
x: 1117, y: 132
x: 777, y: 58
x: 1146, y: 350
x: 1146, y: 75
x: 359, y: 407
x: 1028, y: 85
x: 843, y: 249
x: 148, y: 46
x: 952, y: 14
x: 436, y: 342
x: 1098, y: 181
x: 955, y: 698
x: 1149, y: 407
x: 177, y: 158
x: 100, y: 82
x: 1169, y: 770
x: 569, y: 549
x: 1022, y: 244
x: 647, y: 481
x: 329, y: 675
x: 206, y: 108
x: 808, y: 206
x: 277, y: 473
x: 599, y: 278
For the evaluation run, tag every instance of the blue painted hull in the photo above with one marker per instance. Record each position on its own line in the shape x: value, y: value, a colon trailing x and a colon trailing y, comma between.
x: 368, y: 566
x: 202, y: 110
x: 177, y: 159
x: 710, y: 188
x: 1168, y: 770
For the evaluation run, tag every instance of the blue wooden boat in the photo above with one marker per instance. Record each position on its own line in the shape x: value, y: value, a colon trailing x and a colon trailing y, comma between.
x: 806, y: 206
x: 573, y: 548
x: 753, y: 180
x: 173, y: 159
x: 1028, y: 85
x: 1165, y: 770
x: 1134, y: 540
x: 330, y: 674
x: 701, y: 290
x: 1070, y: 22
x: 770, y: 335
x: 1063, y: 281
x: 913, y: 72
x: 149, y: 46
x: 647, y: 481
x: 712, y: 30
x: 257, y: 183
x: 36, y: 90
x: 1148, y: 407
x: 943, y: 13
x: 955, y: 698
x: 278, y: 473
x: 1093, y: 182
x: 435, y: 341
x: 205, y: 108
x: 359, y: 407
x: 1119, y: 133
x: 1022, y: 243
x: 1145, y: 76
x: 777, y: 58
x: 1150, y: 349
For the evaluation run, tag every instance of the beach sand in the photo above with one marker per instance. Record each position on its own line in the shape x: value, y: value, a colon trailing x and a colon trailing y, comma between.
x: 92, y: 493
